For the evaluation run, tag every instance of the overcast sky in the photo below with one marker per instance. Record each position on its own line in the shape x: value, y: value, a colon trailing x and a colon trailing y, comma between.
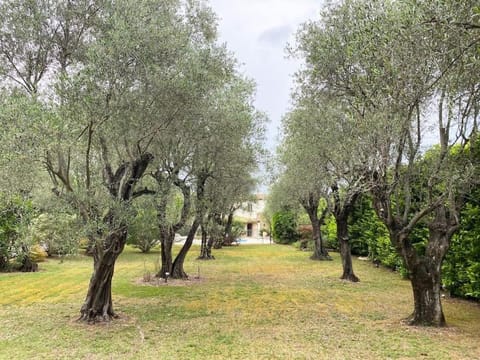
x: 257, y: 31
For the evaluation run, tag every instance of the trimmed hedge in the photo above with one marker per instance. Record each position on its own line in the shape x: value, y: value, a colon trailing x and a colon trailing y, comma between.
x: 284, y: 227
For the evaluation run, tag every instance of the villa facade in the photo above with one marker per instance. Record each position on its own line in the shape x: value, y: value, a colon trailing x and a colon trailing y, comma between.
x: 251, y: 215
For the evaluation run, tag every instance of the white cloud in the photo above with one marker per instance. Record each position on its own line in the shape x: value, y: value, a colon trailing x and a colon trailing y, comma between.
x: 257, y: 32
x: 276, y: 36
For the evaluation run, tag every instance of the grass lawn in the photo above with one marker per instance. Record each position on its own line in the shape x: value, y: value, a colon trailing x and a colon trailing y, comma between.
x: 253, y: 302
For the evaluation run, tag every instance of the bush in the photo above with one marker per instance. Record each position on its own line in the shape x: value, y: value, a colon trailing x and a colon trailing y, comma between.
x: 305, y: 232
x: 329, y: 233
x: 238, y: 229
x: 84, y: 243
x: 461, y: 268
x: 384, y: 253
x: 15, y: 215
x: 284, y: 226
x: 37, y: 253
x: 143, y: 230
x: 362, y: 227
x: 305, y: 245
x: 57, y: 233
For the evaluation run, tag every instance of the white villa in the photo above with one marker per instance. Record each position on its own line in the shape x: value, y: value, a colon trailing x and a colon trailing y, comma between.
x: 251, y: 215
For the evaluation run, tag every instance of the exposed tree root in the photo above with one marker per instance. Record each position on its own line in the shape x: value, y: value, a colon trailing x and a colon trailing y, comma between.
x: 350, y: 277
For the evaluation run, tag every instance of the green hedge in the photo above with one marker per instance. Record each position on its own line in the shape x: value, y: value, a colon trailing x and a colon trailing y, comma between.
x: 461, y: 267
x: 15, y: 216
x: 284, y: 227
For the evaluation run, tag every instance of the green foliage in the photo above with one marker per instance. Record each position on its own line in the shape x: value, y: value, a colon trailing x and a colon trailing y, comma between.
x: 369, y: 236
x: 15, y: 215
x: 143, y: 232
x: 284, y: 227
x: 305, y: 245
x: 238, y: 229
x: 58, y: 233
x: 362, y: 227
x: 37, y: 253
x: 305, y: 235
x: 461, y: 268
x: 329, y: 232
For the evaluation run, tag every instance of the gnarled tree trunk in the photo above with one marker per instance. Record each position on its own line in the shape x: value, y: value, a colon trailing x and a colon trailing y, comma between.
x: 425, y: 269
x: 227, y: 235
x: 425, y: 276
x: 319, y: 252
x: 167, y: 231
x: 177, y: 269
x: 206, y: 246
x: 167, y: 237
x: 341, y: 213
x: 345, y: 251
x: 426, y: 286
x: 98, y: 302
x: 310, y: 204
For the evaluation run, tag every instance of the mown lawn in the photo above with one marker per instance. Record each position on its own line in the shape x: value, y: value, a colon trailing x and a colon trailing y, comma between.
x: 253, y: 302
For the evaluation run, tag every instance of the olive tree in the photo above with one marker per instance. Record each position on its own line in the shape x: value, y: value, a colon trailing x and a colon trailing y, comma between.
x: 213, y: 140
x: 322, y: 160
x: 401, y: 70
x: 103, y: 107
x: 299, y: 184
x: 228, y: 152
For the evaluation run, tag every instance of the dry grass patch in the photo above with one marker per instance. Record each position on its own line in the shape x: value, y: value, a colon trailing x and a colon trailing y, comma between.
x: 253, y: 302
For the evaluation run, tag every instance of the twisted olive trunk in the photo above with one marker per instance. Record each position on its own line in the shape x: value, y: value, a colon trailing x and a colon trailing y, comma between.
x: 319, y: 252
x: 424, y: 269
x: 227, y: 235
x: 345, y: 251
x: 341, y: 213
x: 426, y: 286
x: 167, y: 237
x: 206, y: 246
x: 178, y: 271
x: 98, y: 302
x: 167, y: 231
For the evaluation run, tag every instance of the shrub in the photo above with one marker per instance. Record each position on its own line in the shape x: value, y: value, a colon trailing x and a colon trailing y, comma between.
x: 329, y: 233
x: 143, y: 230
x: 83, y: 243
x: 461, y: 268
x: 57, y: 233
x: 37, y: 253
x: 305, y: 245
x: 305, y: 232
x: 284, y: 227
x: 238, y: 229
x: 385, y: 253
x: 15, y: 215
